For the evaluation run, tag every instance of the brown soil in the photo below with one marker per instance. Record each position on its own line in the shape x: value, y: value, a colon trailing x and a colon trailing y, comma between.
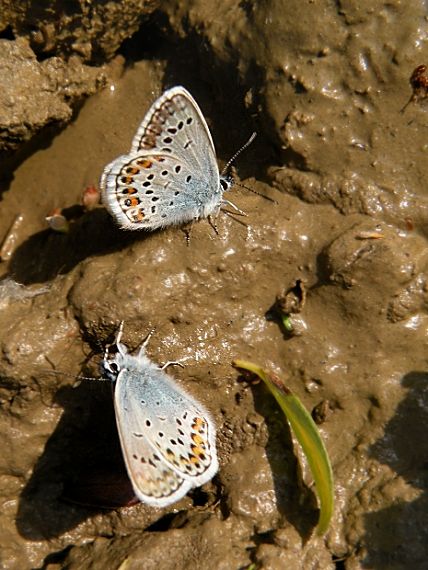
x: 323, y: 84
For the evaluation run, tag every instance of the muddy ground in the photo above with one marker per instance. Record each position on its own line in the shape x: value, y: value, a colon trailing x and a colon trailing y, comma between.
x: 324, y: 85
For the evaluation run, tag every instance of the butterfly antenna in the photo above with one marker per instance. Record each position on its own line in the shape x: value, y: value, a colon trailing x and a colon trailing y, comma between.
x: 75, y: 376
x: 119, y: 333
x: 116, y: 342
x: 149, y: 336
x: 255, y: 192
x: 237, y: 153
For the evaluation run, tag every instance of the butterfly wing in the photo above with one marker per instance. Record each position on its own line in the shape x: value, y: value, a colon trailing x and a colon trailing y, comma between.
x: 175, y: 124
x: 153, y: 481
x: 153, y: 190
x: 178, y: 430
x: 170, y: 175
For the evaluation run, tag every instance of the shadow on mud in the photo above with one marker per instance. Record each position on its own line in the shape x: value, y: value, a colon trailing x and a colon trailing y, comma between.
x: 81, y: 470
x: 395, y: 537
x: 296, y: 503
x: 47, y: 253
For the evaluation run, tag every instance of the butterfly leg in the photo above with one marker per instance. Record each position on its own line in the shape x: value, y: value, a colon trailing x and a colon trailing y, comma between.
x: 231, y: 215
x: 172, y: 363
x: 213, y: 224
x: 187, y: 228
x: 232, y: 205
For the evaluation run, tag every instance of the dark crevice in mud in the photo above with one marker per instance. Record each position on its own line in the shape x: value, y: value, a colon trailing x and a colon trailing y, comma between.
x: 299, y: 88
x: 7, y: 33
x: 164, y: 523
x: 224, y: 507
x: 55, y: 559
x: 267, y: 537
x: 252, y: 554
x: 154, y: 31
x: 200, y: 497
x: 43, y: 55
x: 339, y: 563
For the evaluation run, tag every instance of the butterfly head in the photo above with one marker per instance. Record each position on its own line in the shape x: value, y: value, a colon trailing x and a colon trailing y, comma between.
x: 226, y: 182
x: 111, y: 366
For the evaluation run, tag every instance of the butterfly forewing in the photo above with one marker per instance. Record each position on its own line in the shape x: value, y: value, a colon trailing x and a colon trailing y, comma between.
x: 153, y: 481
x: 175, y: 124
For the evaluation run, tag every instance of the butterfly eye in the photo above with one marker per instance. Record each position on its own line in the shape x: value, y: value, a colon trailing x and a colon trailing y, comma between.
x: 224, y: 184
x: 111, y: 368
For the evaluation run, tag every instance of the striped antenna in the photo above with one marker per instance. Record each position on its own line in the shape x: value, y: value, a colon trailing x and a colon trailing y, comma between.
x: 237, y: 153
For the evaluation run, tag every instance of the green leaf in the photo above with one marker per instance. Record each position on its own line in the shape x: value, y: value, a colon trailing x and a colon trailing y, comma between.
x: 308, y: 436
x: 288, y: 323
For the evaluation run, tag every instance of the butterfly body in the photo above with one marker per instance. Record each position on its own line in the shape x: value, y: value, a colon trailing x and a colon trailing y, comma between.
x: 170, y: 175
x: 167, y: 437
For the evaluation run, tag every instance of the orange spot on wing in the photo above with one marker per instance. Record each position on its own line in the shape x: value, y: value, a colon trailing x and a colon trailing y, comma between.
x: 132, y: 170
x: 197, y: 439
x: 198, y: 451
x: 198, y: 424
x: 138, y: 216
x: 145, y: 162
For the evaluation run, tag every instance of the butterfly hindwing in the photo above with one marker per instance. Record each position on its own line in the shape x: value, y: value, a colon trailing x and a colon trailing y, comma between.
x: 167, y: 438
x: 154, y: 190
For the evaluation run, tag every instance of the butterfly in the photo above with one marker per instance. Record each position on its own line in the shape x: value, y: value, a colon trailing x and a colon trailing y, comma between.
x: 170, y: 175
x: 167, y: 436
